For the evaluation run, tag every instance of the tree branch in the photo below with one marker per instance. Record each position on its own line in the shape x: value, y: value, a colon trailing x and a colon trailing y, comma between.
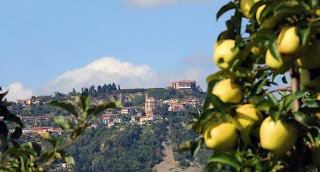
x: 279, y: 89
x: 295, y: 83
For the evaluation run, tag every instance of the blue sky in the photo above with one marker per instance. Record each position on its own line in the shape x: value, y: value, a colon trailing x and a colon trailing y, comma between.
x: 49, y: 46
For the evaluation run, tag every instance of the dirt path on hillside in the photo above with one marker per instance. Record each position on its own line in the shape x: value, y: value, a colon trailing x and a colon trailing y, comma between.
x: 169, y: 164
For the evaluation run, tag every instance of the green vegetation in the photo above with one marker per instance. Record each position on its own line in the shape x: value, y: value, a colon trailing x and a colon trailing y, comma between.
x: 123, y: 147
x: 179, y: 132
x: 31, y: 155
x: 132, y: 148
x: 251, y: 119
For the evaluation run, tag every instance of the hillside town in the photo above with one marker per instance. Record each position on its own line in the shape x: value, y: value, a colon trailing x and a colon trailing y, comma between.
x: 128, y: 115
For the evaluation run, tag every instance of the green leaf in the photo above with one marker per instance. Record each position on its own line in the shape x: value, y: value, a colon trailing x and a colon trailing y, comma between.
x: 4, y: 111
x: 105, y: 106
x: 3, y: 129
x: 84, y: 115
x: 6, y: 104
x: 275, y: 114
x: 313, y: 3
x: 217, y: 103
x: 304, y: 30
x: 282, y: 106
x: 46, y: 156
x: 228, y: 34
x: 57, y: 155
x: 13, y: 118
x: 292, y: 7
x: 257, y: 41
x: 215, y: 76
x: 267, y: 13
x: 17, y: 133
x: 284, y: 80
x: 301, y: 118
x: 62, y: 122
x: 4, y: 143
x: 22, y: 163
x: 273, y: 47
x: 255, y: 7
x: 66, y: 106
x: 297, y: 95
x: 83, y: 102
x: 281, y: 12
x: 185, y: 146
x: 265, y: 34
x: 69, y: 159
x: 211, y: 167
x: 225, y: 8
x: 225, y: 158
x: 46, y: 136
x: 245, y: 135
x: 196, y: 147
x: 207, y: 117
x: 207, y: 102
x: 15, y: 144
x: 236, y: 67
x: 273, y: 99
x: 2, y: 95
x: 25, y: 150
x: 195, y: 115
x: 37, y: 148
x: 3, y: 135
x: 258, y: 87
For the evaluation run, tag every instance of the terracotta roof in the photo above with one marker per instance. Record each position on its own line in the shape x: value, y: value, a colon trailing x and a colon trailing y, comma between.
x: 186, y: 80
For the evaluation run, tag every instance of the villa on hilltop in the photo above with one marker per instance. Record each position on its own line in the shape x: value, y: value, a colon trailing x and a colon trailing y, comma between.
x: 184, y: 84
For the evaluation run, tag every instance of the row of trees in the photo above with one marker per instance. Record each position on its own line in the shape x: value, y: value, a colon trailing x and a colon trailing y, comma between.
x: 100, y: 89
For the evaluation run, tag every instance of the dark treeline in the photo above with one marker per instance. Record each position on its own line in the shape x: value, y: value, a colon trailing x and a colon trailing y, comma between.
x: 100, y: 89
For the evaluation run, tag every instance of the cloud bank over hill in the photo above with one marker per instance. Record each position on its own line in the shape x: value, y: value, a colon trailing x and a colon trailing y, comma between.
x: 17, y: 91
x: 158, y: 3
x: 127, y: 74
x: 101, y: 71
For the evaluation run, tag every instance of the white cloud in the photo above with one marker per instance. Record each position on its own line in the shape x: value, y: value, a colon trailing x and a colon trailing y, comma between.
x: 17, y: 92
x: 103, y: 71
x: 157, y: 3
x: 128, y: 75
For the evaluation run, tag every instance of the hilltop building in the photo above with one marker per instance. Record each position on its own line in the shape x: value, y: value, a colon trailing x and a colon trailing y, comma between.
x: 184, y: 84
x: 149, y: 106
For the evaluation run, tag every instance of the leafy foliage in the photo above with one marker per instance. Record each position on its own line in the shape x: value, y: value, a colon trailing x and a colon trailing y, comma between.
x: 134, y: 148
x: 256, y: 35
x: 30, y: 156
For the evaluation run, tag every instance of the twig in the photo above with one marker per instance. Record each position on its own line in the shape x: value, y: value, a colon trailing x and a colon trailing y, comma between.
x: 295, y: 82
x: 277, y: 90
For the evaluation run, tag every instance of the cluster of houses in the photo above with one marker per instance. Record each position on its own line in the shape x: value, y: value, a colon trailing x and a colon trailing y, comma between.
x: 127, y: 114
x: 41, y: 130
x: 29, y: 102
